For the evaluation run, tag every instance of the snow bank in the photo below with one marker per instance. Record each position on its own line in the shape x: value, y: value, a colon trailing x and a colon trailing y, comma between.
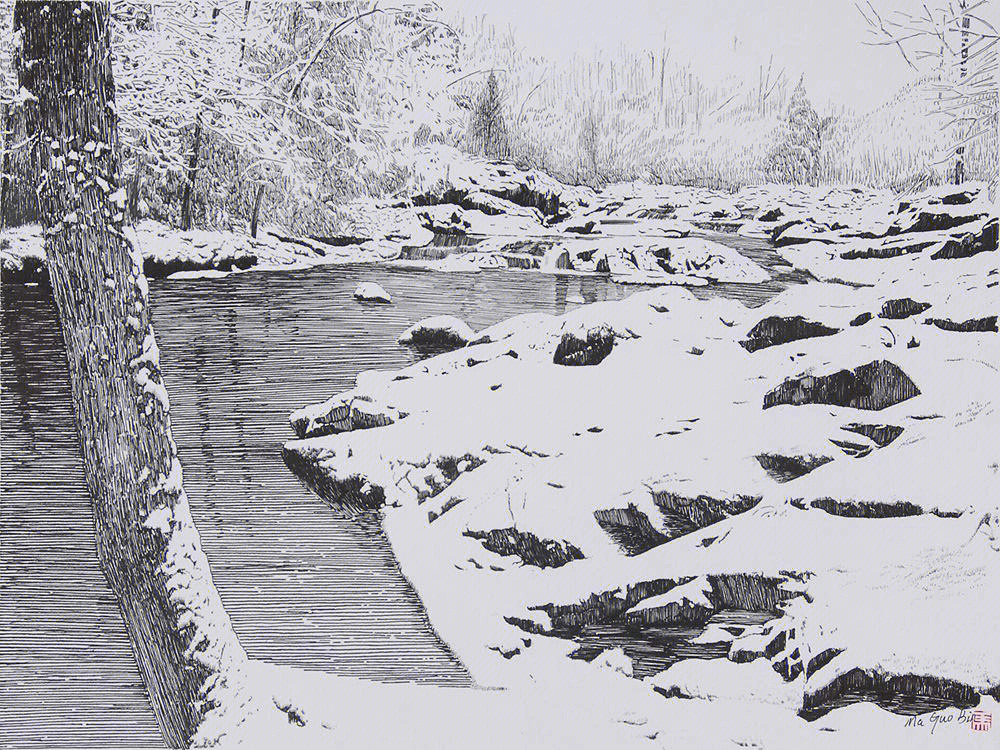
x: 600, y: 444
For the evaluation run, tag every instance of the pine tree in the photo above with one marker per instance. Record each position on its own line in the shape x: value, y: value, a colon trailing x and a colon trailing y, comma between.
x: 796, y: 157
x: 488, y: 129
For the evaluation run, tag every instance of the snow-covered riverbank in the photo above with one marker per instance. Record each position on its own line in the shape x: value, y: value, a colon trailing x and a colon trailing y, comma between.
x: 462, y: 214
x: 827, y: 460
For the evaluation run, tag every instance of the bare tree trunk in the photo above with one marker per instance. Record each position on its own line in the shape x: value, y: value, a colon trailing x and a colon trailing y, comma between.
x: 133, y: 190
x: 18, y: 201
x: 256, y: 211
x: 960, y: 151
x: 192, y: 174
x: 147, y: 545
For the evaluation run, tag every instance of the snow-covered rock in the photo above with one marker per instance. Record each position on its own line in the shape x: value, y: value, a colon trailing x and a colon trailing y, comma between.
x: 440, y: 333
x: 369, y: 291
x: 620, y: 492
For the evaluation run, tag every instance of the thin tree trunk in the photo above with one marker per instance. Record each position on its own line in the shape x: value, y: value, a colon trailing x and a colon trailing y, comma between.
x: 133, y: 189
x: 147, y: 544
x: 960, y: 151
x: 256, y: 211
x: 192, y: 174
x: 243, y: 38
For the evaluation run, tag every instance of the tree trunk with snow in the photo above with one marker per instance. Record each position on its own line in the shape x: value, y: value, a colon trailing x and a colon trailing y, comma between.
x: 147, y: 545
x: 18, y: 202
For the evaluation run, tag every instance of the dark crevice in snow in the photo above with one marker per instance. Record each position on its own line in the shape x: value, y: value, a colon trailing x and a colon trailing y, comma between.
x: 542, y: 553
x: 653, y: 648
x: 630, y: 528
x: 862, y: 508
x: 746, y: 592
x: 786, y: 468
x: 683, y: 515
x: 880, y: 434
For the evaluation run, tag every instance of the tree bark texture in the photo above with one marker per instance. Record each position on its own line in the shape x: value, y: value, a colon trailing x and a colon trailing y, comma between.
x: 147, y: 545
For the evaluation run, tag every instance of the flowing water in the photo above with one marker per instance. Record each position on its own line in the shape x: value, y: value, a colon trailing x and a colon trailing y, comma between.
x: 303, y: 586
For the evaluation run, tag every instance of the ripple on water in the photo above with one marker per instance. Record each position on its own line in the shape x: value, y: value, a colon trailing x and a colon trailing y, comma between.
x: 303, y: 586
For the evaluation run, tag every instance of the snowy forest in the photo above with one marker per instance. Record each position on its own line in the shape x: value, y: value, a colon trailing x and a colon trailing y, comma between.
x: 235, y: 113
x: 580, y: 396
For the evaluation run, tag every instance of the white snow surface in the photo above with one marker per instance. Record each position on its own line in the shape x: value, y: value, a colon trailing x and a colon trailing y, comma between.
x: 675, y: 411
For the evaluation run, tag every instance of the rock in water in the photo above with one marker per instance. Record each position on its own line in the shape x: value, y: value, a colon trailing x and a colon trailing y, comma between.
x: 442, y: 333
x: 369, y: 291
x: 875, y: 386
x: 780, y: 330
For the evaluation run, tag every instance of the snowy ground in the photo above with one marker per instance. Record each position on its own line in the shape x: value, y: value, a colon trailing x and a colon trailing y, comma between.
x: 828, y: 460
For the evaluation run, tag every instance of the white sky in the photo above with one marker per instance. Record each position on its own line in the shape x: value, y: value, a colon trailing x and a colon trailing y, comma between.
x: 821, y: 38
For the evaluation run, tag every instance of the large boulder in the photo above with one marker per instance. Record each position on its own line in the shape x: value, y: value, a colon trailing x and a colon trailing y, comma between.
x: 589, y: 347
x: 874, y: 386
x: 442, y: 333
x: 775, y: 330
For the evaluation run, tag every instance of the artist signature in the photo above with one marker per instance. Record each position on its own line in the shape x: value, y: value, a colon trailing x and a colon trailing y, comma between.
x: 976, y: 720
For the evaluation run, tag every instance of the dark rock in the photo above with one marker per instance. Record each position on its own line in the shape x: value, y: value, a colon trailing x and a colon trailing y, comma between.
x: 748, y: 592
x: 861, y: 319
x: 875, y: 386
x: 958, y: 198
x: 970, y: 244
x: 821, y: 660
x: 929, y: 219
x: 866, y: 509
x: 881, y: 252
x: 904, y: 694
x: 584, y: 228
x: 682, y: 514
x: 630, y: 528
x: 912, y: 343
x: 857, y: 450
x: 780, y: 228
x: 786, y: 468
x: 897, y: 309
x: 776, y: 330
x: 973, y: 325
x: 673, y: 613
x: 542, y: 553
x: 770, y: 214
x: 575, y: 351
x: 880, y: 434
x: 26, y: 270
x: 354, y: 494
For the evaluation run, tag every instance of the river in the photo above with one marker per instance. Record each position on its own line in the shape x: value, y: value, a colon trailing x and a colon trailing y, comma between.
x: 303, y: 586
